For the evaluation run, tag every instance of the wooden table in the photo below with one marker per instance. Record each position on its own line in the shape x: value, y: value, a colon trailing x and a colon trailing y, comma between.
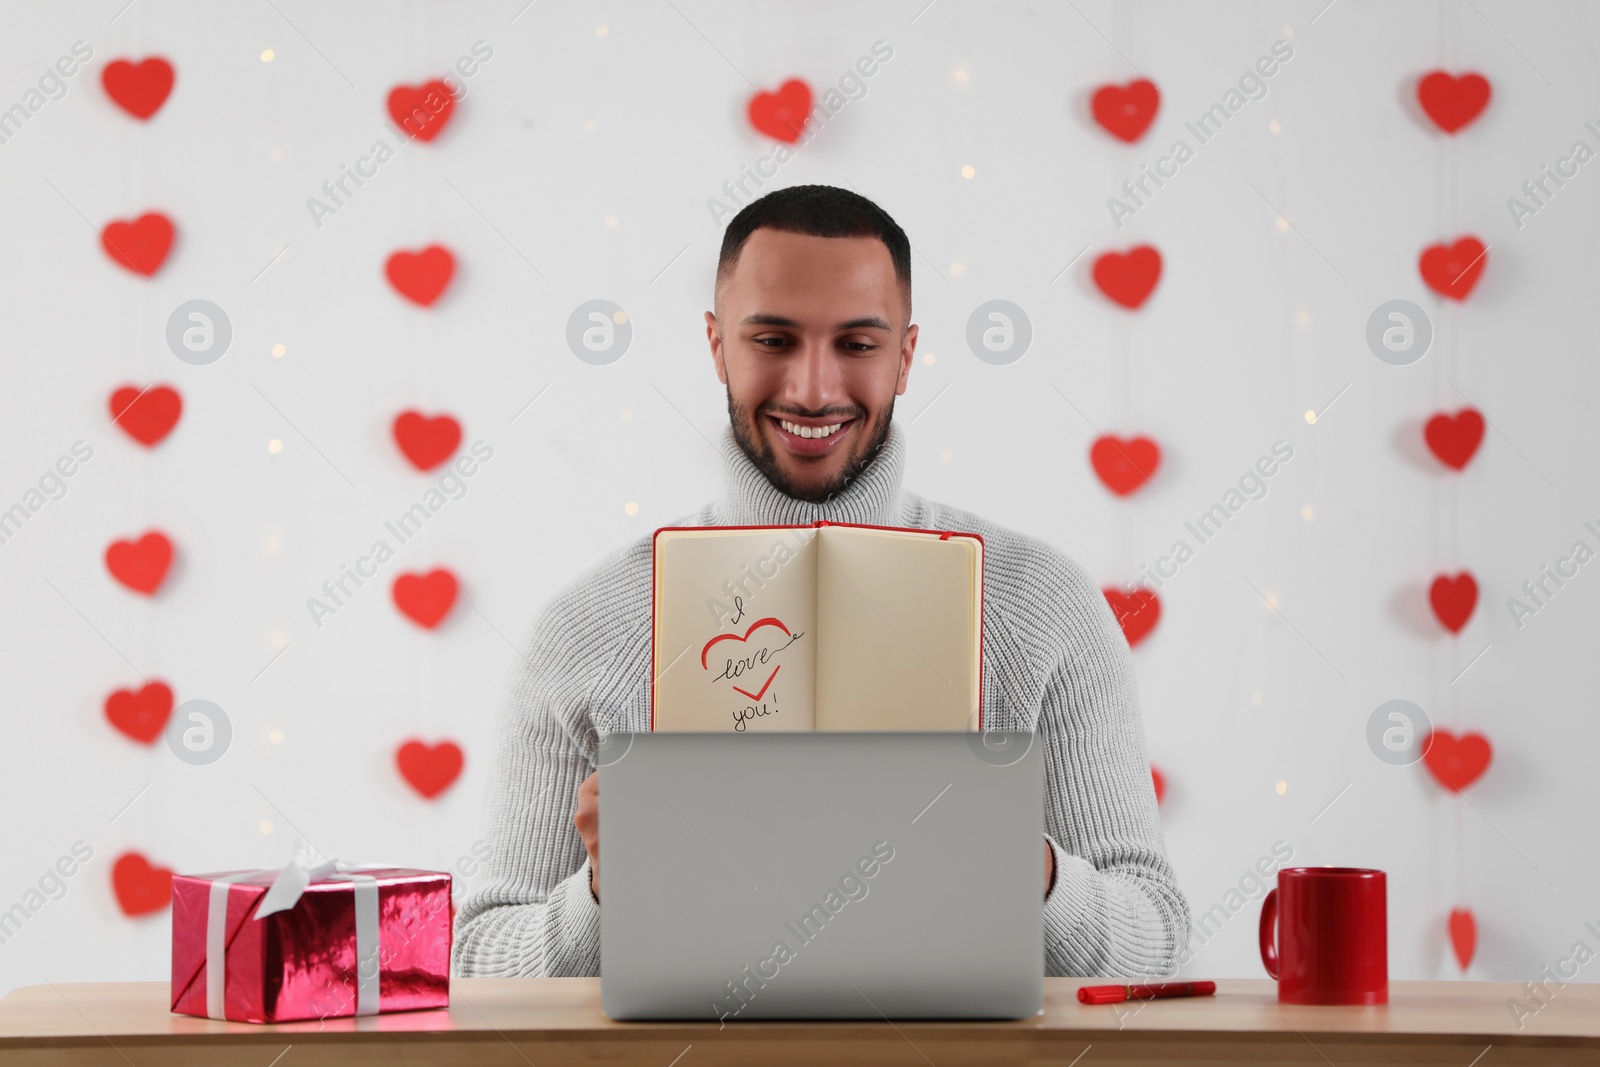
x: 546, y: 1022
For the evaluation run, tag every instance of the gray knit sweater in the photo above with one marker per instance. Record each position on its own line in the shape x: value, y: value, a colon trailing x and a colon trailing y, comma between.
x: 1055, y: 662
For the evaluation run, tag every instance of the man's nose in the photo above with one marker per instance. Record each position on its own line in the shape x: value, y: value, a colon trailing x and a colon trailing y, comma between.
x: 816, y: 377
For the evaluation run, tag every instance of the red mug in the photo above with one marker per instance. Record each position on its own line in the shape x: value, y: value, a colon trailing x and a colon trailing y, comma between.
x: 1325, y: 936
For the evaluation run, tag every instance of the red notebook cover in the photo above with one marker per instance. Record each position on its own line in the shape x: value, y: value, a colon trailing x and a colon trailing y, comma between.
x: 943, y: 535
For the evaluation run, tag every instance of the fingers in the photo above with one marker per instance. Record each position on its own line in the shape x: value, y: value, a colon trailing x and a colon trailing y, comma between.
x: 587, y: 817
x: 587, y: 820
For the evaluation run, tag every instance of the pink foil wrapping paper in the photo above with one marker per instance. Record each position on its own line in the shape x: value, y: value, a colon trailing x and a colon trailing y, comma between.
x: 301, y: 963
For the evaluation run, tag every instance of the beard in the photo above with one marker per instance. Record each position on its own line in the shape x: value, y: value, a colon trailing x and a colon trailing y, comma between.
x: 765, y: 459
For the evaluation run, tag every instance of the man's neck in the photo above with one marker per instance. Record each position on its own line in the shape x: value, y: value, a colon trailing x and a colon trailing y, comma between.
x: 873, y: 496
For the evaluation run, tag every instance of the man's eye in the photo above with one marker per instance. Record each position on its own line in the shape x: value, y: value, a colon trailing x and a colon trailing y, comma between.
x: 772, y: 342
x: 859, y: 346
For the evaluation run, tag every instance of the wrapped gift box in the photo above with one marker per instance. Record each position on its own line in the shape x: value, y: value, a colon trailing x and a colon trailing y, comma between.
x: 351, y: 941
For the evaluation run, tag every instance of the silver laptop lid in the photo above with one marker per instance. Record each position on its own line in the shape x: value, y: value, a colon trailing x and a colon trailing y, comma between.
x: 821, y: 875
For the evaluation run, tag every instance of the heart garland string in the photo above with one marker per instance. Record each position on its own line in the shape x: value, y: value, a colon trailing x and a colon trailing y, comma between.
x: 1452, y: 269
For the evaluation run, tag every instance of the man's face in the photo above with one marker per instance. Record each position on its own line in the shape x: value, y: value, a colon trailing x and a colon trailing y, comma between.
x: 810, y: 337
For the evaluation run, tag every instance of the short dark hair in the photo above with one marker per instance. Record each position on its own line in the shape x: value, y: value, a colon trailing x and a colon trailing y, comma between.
x: 818, y: 211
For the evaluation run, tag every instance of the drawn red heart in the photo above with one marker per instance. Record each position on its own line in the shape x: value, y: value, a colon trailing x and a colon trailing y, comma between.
x: 141, y: 715
x: 1160, y: 783
x: 141, y: 245
x: 1137, y: 612
x: 1463, y: 936
x: 421, y: 277
x: 1124, y: 464
x: 429, y: 769
x: 425, y: 599
x: 424, y: 110
x: 1452, y: 102
x: 1128, y: 278
x: 769, y: 621
x: 426, y: 442
x: 146, y: 415
x: 782, y: 114
x: 1456, y: 762
x: 1453, y: 600
x: 1454, y: 438
x: 140, y: 565
x: 1126, y: 111
x: 141, y: 888
x: 1452, y: 270
x: 139, y: 89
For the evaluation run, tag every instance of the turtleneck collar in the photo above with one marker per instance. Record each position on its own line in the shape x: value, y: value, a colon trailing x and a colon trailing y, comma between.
x: 873, y: 496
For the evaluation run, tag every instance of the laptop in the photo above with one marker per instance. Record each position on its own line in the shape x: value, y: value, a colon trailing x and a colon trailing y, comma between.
x: 821, y: 876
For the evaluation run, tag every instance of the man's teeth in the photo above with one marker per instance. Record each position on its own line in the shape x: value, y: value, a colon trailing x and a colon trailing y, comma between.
x: 810, y: 431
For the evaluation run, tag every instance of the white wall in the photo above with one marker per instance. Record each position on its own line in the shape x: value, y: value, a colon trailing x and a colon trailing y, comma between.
x: 1250, y: 327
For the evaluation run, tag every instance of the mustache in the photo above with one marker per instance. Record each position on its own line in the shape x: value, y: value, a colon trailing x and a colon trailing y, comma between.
x: 823, y: 414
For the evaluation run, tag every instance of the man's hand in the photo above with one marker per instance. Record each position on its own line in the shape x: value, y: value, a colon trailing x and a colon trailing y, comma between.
x: 587, y: 820
x: 1049, y: 866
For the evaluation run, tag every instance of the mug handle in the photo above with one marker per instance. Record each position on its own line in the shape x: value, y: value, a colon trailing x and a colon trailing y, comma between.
x: 1269, y: 934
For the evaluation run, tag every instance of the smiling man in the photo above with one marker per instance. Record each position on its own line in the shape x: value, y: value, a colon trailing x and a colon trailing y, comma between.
x: 812, y: 373
x: 812, y: 336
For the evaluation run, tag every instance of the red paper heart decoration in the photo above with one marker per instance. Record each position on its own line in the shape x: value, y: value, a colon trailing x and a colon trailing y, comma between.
x: 1463, y: 936
x: 1126, y: 111
x: 1456, y: 762
x: 1128, y: 278
x: 782, y: 114
x: 1124, y: 464
x: 140, y: 887
x: 1136, y: 612
x: 140, y: 565
x: 426, y: 442
x: 429, y: 769
x: 141, y: 715
x: 1453, y: 600
x: 421, y: 277
x: 146, y: 415
x: 1453, y: 102
x: 139, y: 89
x: 424, y: 110
x: 1454, y: 438
x: 1160, y: 783
x: 141, y: 245
x: 425, y: 599
x: 1452, y: 270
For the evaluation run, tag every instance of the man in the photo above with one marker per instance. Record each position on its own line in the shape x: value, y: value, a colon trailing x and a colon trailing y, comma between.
x: 812, y: 336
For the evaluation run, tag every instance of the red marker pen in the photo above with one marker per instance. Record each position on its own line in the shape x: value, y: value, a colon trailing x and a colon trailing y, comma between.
x: 1116, y: 994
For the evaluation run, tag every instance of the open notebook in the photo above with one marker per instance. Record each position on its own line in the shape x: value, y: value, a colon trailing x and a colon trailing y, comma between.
x: 831, y: 626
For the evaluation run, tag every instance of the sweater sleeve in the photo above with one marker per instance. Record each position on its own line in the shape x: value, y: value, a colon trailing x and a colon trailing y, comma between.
x: 533, y: 913
x: 1115, y: 908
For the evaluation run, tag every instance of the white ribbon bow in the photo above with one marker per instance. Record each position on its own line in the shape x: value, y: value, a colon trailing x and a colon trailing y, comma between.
x: 284, y: 893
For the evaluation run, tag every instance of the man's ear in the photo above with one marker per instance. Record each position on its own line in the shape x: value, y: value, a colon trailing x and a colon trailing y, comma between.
x: 714, y: 339
x: 908, y: 349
